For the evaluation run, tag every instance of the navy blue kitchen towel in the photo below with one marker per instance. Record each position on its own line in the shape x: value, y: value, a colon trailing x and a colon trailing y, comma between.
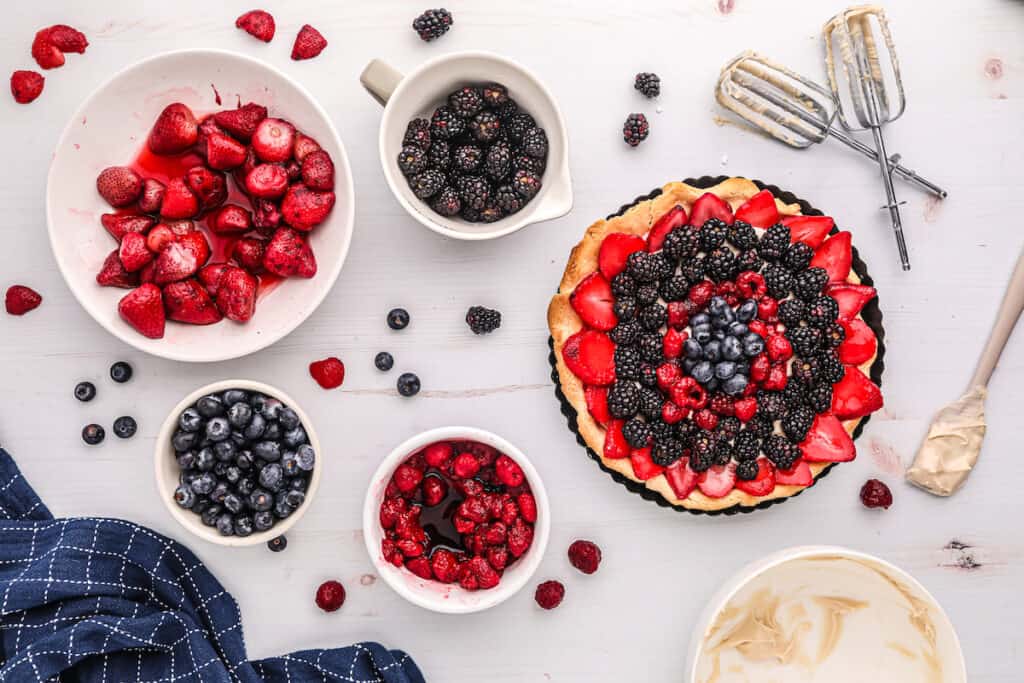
x: 89, y: 599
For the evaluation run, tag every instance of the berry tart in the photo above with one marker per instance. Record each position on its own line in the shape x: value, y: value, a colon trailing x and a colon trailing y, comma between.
x: 717, y: 345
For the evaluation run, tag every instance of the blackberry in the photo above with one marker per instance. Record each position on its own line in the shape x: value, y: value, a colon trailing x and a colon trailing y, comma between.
x: 797, y: 423
x: 417, y: 133
x: 746, y: 446
x: 770, y: 405
x: 447, y: 202
x: 647, y: 83
x: 467, y: 158
x: 809, y: 283
x: 485, y: 126
x: 795, y: 393
x: 685, y: 432
x: 828, y: 368
x: 822, y: 311
x: 446, y: 124
x: 412, y: 160
x: 635, y: 129
x: 527, y: 184
x: 470, y: 215
x: 693, y: 269
x: 427, y: 184
x: 650, y: 403
x: 524, y: 162
x: 804, y: 369
x: 498, y: 161
x: 641, y: 266
x: 518, y: 125
x: 674, y: 288
x: 433, y: 24
x: 723, y: 451
x: 483, y: 320
x: 819, y: 397
x: 666, y: 452
x: 507, y: 110
x: 781, y: 452
x: 778, y: 280
x: 721, y: 264
x: 623, y: 284
x: 805, y: 340
x: 775, y: 446
x: 491, y: 212
x: 759, y: 426
x: 792, y: 312
x: 648, y: 375
x: 662, y: 264
x: 661, y: 431
x: 651, y: 347
x: 713, y: 234
x: 681, y: 243
x: 474, y: 192
x: 439, y: 155
x: 833, y: 335
x: 495, y: 95
x: 747, y: 470
x: 636, y: 433
x: 647, y: 294
x: 748, y: 260
x: 627, y: 362
x: 797, y: 257
x: 702, y: 451
x: 653, y: 316
x: 625, y: 308
x: 466, y: 101
x: 742, y: 235
x: 535, y: 143
x: 508, y: 199
x: 626, y: 333
x: 774, y: 243
x: 729, y: 426
x: 623, y: 400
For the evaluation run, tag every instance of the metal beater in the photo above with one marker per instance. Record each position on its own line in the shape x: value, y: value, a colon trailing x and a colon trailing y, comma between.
x: 793, y: 109
x: 870, y: 92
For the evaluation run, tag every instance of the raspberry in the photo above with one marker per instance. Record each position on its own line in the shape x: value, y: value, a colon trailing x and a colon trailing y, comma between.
x: 465, y: 466
x: 706, y: 419
x: 875, y: 494
x: 434, y: 490
x: 509, y: 472
x: 549, y: 594
x: 701, y: 293
x: 444, y: 565
x: 330, y: 596
x: 585, y: 556
x: 437, y: 455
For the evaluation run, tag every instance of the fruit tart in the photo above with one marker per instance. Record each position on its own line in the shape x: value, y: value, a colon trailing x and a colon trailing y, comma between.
x: 717, y: 348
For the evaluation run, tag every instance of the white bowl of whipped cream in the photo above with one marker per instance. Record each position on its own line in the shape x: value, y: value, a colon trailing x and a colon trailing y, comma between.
x: 821, y: 614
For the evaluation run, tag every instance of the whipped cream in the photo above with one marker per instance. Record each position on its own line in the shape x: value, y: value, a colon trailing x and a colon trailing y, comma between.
x: 822, y: 619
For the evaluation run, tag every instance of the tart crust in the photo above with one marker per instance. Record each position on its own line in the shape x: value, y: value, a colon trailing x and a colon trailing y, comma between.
x: 564, y: 322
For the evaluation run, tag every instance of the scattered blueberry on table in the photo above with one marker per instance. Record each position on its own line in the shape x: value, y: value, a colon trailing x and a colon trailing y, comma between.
x: 384, y: 361
x: 93, y: 434
x: 120, y: 372
x: 277, y: 544
x: 408, y: 384
x: 125, y: 427
x: 398, y: 318
x: 85, y: 391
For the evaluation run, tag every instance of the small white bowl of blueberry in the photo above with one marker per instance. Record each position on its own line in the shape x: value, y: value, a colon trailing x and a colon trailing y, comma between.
x: 237, y: 462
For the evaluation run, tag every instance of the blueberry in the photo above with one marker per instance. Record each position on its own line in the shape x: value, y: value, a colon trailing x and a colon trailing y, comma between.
x: 120, y: 372
x: 218, y: 429
x: 184, y: 441
x: 190, y: 420
x: 700, y: 319
x: 272, y: 432
x: 243, y: 525
x: 244, y: 460
x: 272, y: 477
x: 202, y: 502
x: 288, y: 419
x: 245, y: 486
x: 240, y: 415
x: 125, y: 427
x: 224, y: 451
x: 219, y: 469
x: 689, y: 364
x: 277, y: 544
x: 752, y: 345
x: 294, y: 498
x: 737, y: 329
x: 204, y: 483
x: 232, y: 474
x: 728, y: 315
x: 211, y: 514
x: 257, y: 401
x: 205, y: 459
x: 210, y: 406
x: 282, y: 509
x: 718, y: 334
x: 186, y: 478
x: 746, y: 312
x: 219, y: 492
x: 261, y: 500
x: 298, y: 483
x: 268, y: 450
x: 186, y: 460
x: 712, y: 385
x: 398, y: 318
x: 702, y: 372
x: 306, y: 457
x: 731, y: 348
x: 692, y: 348
x: 85, y: 391
x: 408, y: 384
x: 295, y: 437
x: 233, y: 503
x: 290, y: 464
x: 185, y: 497
x: 713, y: 351
x: 717, y: 305
x: 272, y: 409
x: 719, y: 322
x: 256, y: 427
x: 263, y: 520
x: 233, y: 396
x: 226, y: 524
x: 93, y: 434
x: 735, y: 384
x: 384, y: 361
x: 702, y: 333
x: 725, y: 369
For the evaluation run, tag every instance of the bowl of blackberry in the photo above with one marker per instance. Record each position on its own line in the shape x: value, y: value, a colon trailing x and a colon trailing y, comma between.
x: 472, y: 144
x: 237, y: 462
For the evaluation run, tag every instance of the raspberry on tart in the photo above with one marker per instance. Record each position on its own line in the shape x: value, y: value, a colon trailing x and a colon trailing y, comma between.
x: 713, y: 345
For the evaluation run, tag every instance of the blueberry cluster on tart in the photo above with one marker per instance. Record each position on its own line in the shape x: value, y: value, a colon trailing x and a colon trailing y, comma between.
x: 713, y: 345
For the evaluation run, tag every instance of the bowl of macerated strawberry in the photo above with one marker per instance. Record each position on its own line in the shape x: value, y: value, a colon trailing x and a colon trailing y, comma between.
x: 200, y: 205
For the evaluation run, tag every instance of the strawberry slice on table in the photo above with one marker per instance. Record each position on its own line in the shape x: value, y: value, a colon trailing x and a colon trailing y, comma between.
x: 143, y: 309
x: 811, y: 230
x: 189, y: 302
x: 590, y: 355
x: 855, y: 395
x: 763, y: 483
x: 759, y: 210
x: 643, y: 467
x: 835, y: 256
x: 597, y: 403
x: 709, y: 206
x: 851, y: 298
x: 593, y: 302
x: 828, y: 441
x: 797, y: 475
x: 718, y: 480
x: 860, y: 343
x: 681, y: 478
x: 615, y: 444
x: 615, y: 249
x: 676, y: 218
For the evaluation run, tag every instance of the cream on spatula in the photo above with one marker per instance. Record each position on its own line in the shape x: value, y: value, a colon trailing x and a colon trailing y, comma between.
x: 954, y: 439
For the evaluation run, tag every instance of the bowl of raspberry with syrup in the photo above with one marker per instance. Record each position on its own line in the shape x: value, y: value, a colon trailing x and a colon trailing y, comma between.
x: 200, y: 205
x: 456, y: 520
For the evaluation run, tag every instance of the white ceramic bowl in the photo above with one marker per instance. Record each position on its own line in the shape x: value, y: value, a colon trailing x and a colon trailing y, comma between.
x: 167, y: 470
x: 948, y: 645
x: 110, y: 128
x: 433, y: 595
x: 424, y: 89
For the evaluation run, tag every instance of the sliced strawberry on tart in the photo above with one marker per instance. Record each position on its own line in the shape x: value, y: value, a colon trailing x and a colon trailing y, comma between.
x: 713, y: 345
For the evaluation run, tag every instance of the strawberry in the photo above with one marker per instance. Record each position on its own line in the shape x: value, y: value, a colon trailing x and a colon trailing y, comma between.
x: 763, y: 483
x: 672, y: 342
x: 273, y: 140
x: 209, y: 187
x: 797, y: 475
x: 179, y: 201
x: 811, y: 230
x: 266, y: 181
x: 835, y: 256
x: 143, y: 309
x: 709, y: 206
x: 318, y: 171
x: 851, y: 298
x: 288, y: 254
x: 189, y: 302
x: 223, y: 152
x: 681, y: 478
x: 118, y: 225
x: 718, y: 480
x: 304, y: 146
x: 304, y: 209
x: 259, y: 24
x: 615, y: 250
x: 308, y: 43
x: 615, y: 445
x: 759, y: 210
x: 592, y: 300
x: 266, y: 216
x: 152, y: 196
x: 66, y: 38
x: 20, y: 299
x: 828, y: 441
x: 175, y: 130
x: 643, y: 467
x: 855, y: 395
x: 210, y: 276
x: 675, y: 218
x: 196, y: 243
x: 207, y: 128
x: 597, y: 403
x: 26, y: 85
x: 329, y: 373
x: 119, y: 185
x: 243, y: 121
x: 745, y: 408
x: 134, y: 253
x: 113, y: 274
x: 236, y: 295
x: 590, y: 355
x: 860, y: 343
x: 230, y: 218
x: 46, y: 54
x: 146, y: 274
x: 248, y: 252
x: 179, y: 260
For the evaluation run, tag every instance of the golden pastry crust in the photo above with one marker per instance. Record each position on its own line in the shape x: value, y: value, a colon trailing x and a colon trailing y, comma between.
x: 564, y: 322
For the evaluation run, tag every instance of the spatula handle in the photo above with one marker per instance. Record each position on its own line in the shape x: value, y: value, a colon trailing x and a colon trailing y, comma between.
x: 1009, y: 311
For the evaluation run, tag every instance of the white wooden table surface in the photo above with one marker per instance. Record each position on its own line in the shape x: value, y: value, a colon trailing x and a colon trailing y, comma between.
x: 964, y: 72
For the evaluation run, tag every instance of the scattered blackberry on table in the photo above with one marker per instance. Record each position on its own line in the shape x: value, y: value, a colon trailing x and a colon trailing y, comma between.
x: 774, y: 243
x: 446, y: 124
x: 747, y: 470
x: 518, y: 124
x: 384, y: 361
x: 447, y: 202
x: 495, y: 95
x: 398, y: 318
x: 121, y: 372
x: 623, y: 400
x: 507, y: 199
x: 427, y: 184
x: 485, y: 126
x: 93, y: 434
x: 433, y: 24
x: 808, y: 284
x: 797, y: 423
x: 483, y: 320
x: 466, y: 101
x: 648, y: 84
x: 417, y: 133
x: 85, y: 391
x: 412, y: 160
x: 778, y: 280
x: 635, y: 129
x: 125, y: 427
x: 636, y: 432
x: 408, y: 384
x: 498, y: 161
x: 798, y: 256
x: 467, y: 158
x: 742, y: 235
x: 439, y: 155
x: 474, y: 192
x: 535, y: 143
x: 822, y: 311
x: 792, y: 312
x: 713, y: 234
x: 277, y: 544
